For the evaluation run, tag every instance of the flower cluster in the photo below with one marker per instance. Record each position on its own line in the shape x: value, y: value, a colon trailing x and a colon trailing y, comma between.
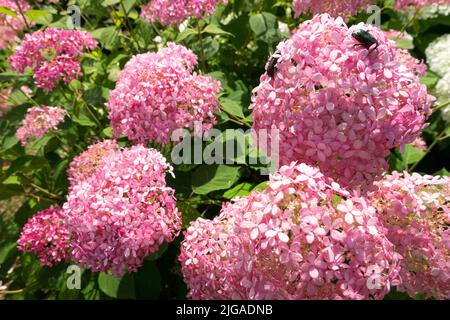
x: 335, y: 8
x: 401, y: 4
x: 302, y: 238
x: 416, y: 211
x: 84, y: 165
x: 437, y: 54
x: 173, y: 12
x: 403, y: 55
x: 338, y: 105
x: 157, y: 93
x: 46, y: 236
x: 123, y: 212
x: 10, y: 26
x: 53, y: 55
x: 38, y: 121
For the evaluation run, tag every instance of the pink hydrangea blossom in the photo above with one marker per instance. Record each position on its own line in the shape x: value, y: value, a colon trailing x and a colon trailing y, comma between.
x: 401, y: 4
x: 416, y: 211
x: 123, y: 212
x: 304, y: 237
x: 53, y: 55
x: 338, y: 105
x: 403, y: 55
x: 38, y: 121
x: 420, y: 144
x: 335, y: 8
x: 157, y: 93
x: 11, y: 26
x: 46, y: 236
x: 84, y: 165
x: 172, y: 12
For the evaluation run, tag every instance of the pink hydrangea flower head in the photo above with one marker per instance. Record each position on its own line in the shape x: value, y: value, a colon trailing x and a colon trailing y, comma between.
x: 403, y: 55
x: 157, y: 93
x: 84, y: 165
x: 402, y: 4
x: 338, y: 105
x: 123, y: 212
x: 38, y: 121
x: 46, y: 236
x: 415, y: 209
x: 53, y: 55
x: 9, y: 25
x: 173, y: 12
x: 304, y: 237
x: 335, y: 8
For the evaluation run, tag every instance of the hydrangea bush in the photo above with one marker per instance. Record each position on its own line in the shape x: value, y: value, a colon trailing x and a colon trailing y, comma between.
x: 97, y: 107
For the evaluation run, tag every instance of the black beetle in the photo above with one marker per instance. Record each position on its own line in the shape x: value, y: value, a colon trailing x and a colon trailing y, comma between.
x: 365, y: 39
x: 272, y: 66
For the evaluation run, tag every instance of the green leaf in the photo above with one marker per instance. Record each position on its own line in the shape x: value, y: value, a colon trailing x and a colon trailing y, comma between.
x: 404, y: 44
x: 39, y: 16
x: 232, y: 107
x: 262, y: 186
x: 5, y: 251
x: 9, y: 190
x: 412, y: 155
x: 8, y: 12
x: 215, y: 29
x: 106, y: 36
x: 186, y: 33
x: 6, y: 76
x: 148, y: 281
x: 188, y: 213
x: 8, y: 143
x: 107, y: 3
x: 443, y: 173
x: 83, y: 120
x: 241, y: 190
x: 119, y: 288
x: 215, y: 177
x: 262, y: 22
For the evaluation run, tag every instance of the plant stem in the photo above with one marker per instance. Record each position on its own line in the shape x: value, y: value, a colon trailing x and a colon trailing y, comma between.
x: 439, y: 107
x: 129, y: 27
x: 202, y: 46
x: 23, y: 15
x: 433, y: 144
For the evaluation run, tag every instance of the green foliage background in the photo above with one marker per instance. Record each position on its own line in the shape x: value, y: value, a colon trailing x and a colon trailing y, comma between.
x: 233, y: 46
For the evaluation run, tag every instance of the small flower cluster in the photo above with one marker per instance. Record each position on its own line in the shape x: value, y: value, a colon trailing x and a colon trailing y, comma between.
x: 416, y: 211
x: 302, y: 238
x: 403, y: 55
x: 46, y: 236
x: 84, y: 165
x: 335, y: 8
x: 10, y: 26
x: 123, y: 212
x: 53, y: 55
x: 338, y: 105
x: 38, y: 121
x: 157, y: 93
x: 173, y: 12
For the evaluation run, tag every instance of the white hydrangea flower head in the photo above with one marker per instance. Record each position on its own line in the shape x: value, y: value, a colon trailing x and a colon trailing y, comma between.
x: 438, y: 53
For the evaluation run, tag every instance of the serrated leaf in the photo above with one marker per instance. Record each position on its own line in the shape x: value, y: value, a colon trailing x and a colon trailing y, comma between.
x: 215, y: 29
x: 232, y: 107
x: 186, y: 33
x: 412, y: 155
x: 215, y: 177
